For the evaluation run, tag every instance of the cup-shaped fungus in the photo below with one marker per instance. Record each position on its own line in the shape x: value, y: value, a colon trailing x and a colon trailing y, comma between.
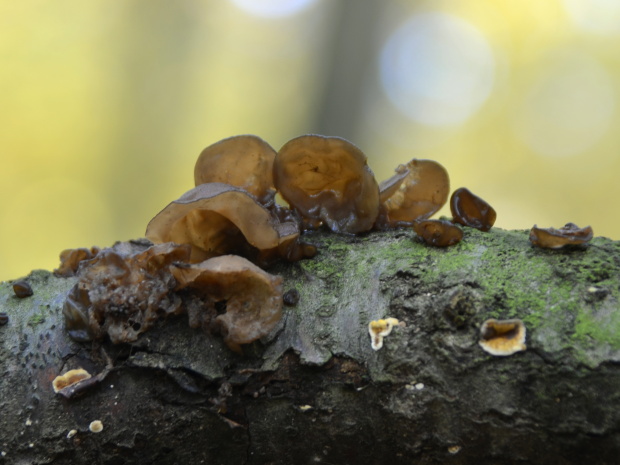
x: 70, y: 260
x: 22, y: 289
x: 250, y: 298
x: 470, y: 210
x: 569, y: 235
x: 327, y: 180
x: 416, y: 191
x: 244, y: 161
x: 438, y: 233
x: 218, y: 219
x: 502, y: 337
x: 69, y: 378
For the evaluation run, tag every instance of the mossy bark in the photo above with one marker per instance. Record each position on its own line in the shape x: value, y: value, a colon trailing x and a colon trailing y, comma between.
x: 315, y: 392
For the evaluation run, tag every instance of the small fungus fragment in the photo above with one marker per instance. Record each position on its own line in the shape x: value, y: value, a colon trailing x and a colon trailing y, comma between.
x: 438, y: 233
x: 244, y: 161
x: 239, y: 299
x: 4, y: 318
x: 416, y: 191
x: 502, y: 337
x: 568, y: 235
x: 95, y: 426
x: 71, y: 433
x: 22, y: 289
x: 70, y: 260
x: 470, y: 210
x: 378, y: 329
x: 219, y: 219
x: 327, y: 180
x: 69, y: 378
x: 291, y: 297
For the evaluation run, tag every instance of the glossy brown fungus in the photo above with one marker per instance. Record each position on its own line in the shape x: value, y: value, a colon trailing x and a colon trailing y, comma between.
x: 327, y: 180
x: 244, y: 161
x: 239, y: 299
x: 291, y: 297
x: 568, y: 235
x: 22, y: 289
x: 217, y: 219
x: 438, y: 233
x: 4, y: 318
x: 70, y: 260
x: 470, y: 210
x: 415, y: 192
x: 123, y: 294
x: 502, y: 337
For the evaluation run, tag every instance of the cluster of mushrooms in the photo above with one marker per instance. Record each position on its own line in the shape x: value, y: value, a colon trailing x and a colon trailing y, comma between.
x: 207, y: 245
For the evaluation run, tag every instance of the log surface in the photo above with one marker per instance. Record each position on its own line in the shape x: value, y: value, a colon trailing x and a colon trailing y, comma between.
x: 314, y: 391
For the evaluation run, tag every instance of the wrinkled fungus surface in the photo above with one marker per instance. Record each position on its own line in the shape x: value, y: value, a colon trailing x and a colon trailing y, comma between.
x: 415, y: 192
x: 245, y: 300
x: 244, y: 161
x: 327, y: 180
x: 470, y: 210
x: 568, y: 235
x: 122, y: 295
x: 70, y: 260
x: 438, y: 233
x: 218, y: 219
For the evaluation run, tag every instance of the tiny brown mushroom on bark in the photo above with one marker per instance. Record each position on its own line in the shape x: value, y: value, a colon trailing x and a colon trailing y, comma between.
x: 218, y: 219
x: 22, y: 289
x: 502, y: 337
x: 327, y: 179
x: 251, y: 297
x: 569, y: 235
x: 415, y: 192
x: 470, y: 210
x: 438, y: 233
x: 244, y: 161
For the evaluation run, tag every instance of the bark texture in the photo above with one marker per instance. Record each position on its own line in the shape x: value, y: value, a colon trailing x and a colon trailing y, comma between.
x: 315, y: 392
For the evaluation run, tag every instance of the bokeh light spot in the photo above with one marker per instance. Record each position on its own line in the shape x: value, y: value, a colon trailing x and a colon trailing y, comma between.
x: 569, y: 108
x: 598, y: 16
x: 437, y: 69
x: 273, y: 8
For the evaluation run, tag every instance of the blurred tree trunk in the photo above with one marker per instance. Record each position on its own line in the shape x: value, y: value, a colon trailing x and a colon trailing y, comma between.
x: 315, y: 392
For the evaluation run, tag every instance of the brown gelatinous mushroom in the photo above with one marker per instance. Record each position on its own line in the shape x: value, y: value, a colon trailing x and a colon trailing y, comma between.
x: 250, y: 298
x: 70, y: 260
x: 415, y: 192
x: 502, y: 337
x: 438, y: 233
x: 22, y: 289
x: 244, y: 161
x: 327, y: 180
x: 569, y: 235
x: 470, y: 210
x: 218, y: 219
x: 123, y: 295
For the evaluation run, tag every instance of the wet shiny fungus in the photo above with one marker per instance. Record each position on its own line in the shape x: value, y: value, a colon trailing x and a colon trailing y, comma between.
x: 470, y: 210
x: 219, y: 219
x: 22, y: 289
x: 438, y: 233
x: 70, y: 260
x: 415, y: 192
x: 327, y: 180
x: 502, y: 337
x: 568, y: 235
x: 244, y: 161
x: 246, y: 300
x: 291, y: 297
x: 4, y: 318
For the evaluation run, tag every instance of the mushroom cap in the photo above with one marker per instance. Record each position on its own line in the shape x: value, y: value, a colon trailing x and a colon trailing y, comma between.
x: 252, y: 297
x: 415, y: 192
x: 69, y: 378
x: 217, y: 219
x: 568, y: 235
x: 470, y: 210
x: 438, y: 233
x: 327, y: 179
x: 244, y: 161
x: 502, y: 337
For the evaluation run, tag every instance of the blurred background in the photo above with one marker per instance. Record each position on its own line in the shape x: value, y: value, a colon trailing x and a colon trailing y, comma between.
x: 104, y: 106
